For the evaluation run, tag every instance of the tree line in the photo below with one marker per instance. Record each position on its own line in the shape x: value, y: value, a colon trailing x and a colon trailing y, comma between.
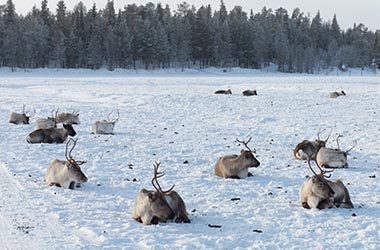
x: 153, y: 36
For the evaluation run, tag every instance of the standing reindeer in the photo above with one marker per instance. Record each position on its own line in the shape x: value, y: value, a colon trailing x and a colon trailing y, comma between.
x: 318, y: 192
x: 66, y: 174
x: 17, y: 118
x: 236, y: 166
x: 333, y: 157
x: 306, y: 148
x: 154, y: 206
x: 105, y: 127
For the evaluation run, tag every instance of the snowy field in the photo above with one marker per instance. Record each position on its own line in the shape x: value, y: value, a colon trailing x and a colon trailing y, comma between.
x: 174, y: 118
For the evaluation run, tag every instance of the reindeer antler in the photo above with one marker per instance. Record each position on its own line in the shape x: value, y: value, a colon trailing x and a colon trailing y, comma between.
x: 68, y: 156
x: 337, y: 141
x: 319, y: 132
x: 109, y: 115
x: 329, y: 135
x: 356, y: 143
x: 156, y: 176
x: 322, y: 172
x: 245, y: 143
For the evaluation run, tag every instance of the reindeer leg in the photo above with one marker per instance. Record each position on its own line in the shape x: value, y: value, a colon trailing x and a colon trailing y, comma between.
x: 182, y: 218
x: 326, y: 203
x: 72, y: 185
x: 313, y: 201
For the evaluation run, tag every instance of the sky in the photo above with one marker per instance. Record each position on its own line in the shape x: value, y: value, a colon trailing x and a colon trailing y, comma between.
x: 348, y: 11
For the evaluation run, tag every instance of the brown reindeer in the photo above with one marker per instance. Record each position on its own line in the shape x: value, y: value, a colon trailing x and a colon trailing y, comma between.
x: 68, y: 118
x: 154, y: 206
x: 306, y: 148
x: 51, y: 135
x: 223, y: 92
x: 318, y: 192
x: 17, y: 118
x: 249, y: 92
x: 336, y: 94
x: 236, y: 166
x: 66, y: 174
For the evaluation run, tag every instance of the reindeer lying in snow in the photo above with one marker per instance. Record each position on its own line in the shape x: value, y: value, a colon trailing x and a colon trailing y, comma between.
x: 105, y: 127
x: 17, y: 118
x: 68, y: 118
x: 318, y: 192
x: 306, y: 148
x: 224, y: 92
x: 154, y: 206
x: 46, y: 123
x: 236, y: 166
x: 66, y: 174
x: 336, y: 94
x: 51, y: 135
x: 333, y: 158
x: 249, y: 92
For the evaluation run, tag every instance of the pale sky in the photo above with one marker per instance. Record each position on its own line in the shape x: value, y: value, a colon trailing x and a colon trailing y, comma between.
x: 348, y: 11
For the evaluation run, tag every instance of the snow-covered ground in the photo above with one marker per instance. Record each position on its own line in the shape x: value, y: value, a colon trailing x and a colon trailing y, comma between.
x: 173, y: 117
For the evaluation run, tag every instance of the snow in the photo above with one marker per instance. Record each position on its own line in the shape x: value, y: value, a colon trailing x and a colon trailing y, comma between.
x: 170, y: 116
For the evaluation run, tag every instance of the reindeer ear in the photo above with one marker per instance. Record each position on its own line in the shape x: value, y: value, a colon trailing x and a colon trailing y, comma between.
x: 314, y: 179
x: 151, y: 196
x: 242, y: 151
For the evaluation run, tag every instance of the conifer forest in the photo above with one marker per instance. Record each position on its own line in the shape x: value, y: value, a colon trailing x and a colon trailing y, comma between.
x: 153, y: 36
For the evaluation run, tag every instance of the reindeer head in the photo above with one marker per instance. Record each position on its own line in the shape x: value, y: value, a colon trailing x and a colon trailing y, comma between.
x: 248, y: 154
x: 320, y: 184
x: 322, y: 143
x: 73, y: 166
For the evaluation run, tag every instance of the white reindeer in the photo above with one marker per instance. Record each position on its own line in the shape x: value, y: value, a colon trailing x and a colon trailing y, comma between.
x: 105, y: 127
x: 17, y: 118
x: 66, y: 174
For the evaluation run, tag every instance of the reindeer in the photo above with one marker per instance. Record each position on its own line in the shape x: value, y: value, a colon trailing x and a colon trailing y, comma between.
x: 336, y: 94
x: 105, y: 127
x: 225, y: 92
x: 68, y: 118
x: 306, y: 148
x: 18, y: 118
x: 318, y: 192
x: 66, y: 174
x: 236, y: 166
x: 154, y: 206
x: 333, y: 157
x: 51, y: 135
x: 249, y: 92
x: 46, y: 123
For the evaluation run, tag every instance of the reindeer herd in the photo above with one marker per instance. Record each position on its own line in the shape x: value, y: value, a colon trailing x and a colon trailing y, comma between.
x: 158, y: 205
